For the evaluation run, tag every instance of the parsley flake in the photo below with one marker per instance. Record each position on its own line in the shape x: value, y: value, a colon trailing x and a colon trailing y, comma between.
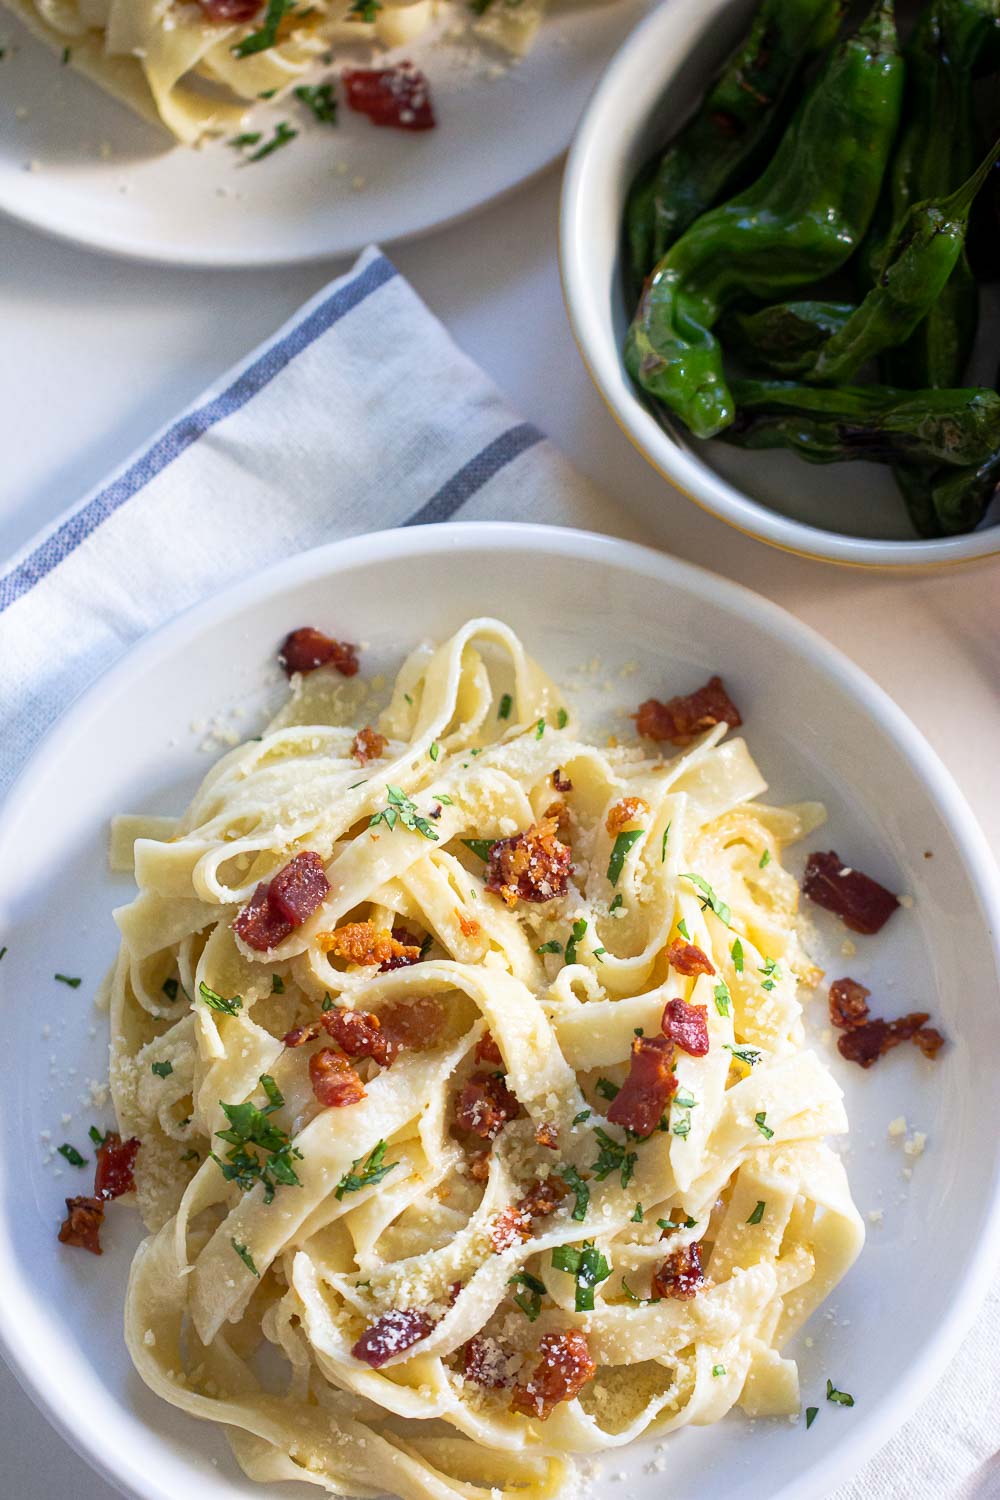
x: 283, y: 136
x: 434, y: 751
x: 402, y: 809
x: 365, y: 10
x: 246, y: 138
x: 506, y: 704
x: 748, y: 1055
x: 623, y: 844
x: 588, y: 1265
x: 616, y: 903
x: 758, y: 1212
x: 259, y: 41
x: 481, y: 848
x: 709, y: 900
x: 718, y: 1370
x: 737, y: 954
x: 277, y: 985
x: 839, y: 1398
x: 663, y: 845
x: 634, y: 1297
x: 765, y: 860
x: 682, y: 928
x: 320, y: 99
x: 637, y: 1214
x: 375, y: 1168
x: 530, y: 1305
x: 215, y: 1001
x: 162, y: 1069
x: 812, y: 1412
x: 250, y: 1126
x: 722, y: 998
x: 576, y: 936
x: 539, y: 729
x: 552, y: 946
x: 613, y: 1158
x: 245, y: 1257
x: 771, y: 973
x: 72, y: 1155
x: 578, y: 1187
x: 668, y: 1224
x: 607, y: 1089
x: 96, y: 1136
x: 562, y: 719
x: 69, y: 979
x: 760, y: 1120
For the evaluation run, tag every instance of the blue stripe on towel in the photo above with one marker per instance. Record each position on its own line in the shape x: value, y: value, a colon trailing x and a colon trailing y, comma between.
x: 67, y: 537
x: 477, y: 472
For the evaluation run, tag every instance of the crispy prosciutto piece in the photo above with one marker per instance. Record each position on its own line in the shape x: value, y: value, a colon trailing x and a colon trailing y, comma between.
x: 530, y: 866
x: 860, y: 902
x: 417, y: 1024
x: 513, y: 1225
x: 368, y: 745
x: 687, y: 958
x: 680, y: 1275
x: 82, y: 1224
x: 646, y: 1092
x: 229, y: 12
x: 364, y: 943
x: 485, y: 1105
x: 334, y: 1079
x: 306, y: 649
x: 479, y: 1166
x: 399, y: 97
x: 115, y: 1163
x: 687, y: 1025
x: 564, y: 1367
x: 681, y: 719
x: 280, y: 905
x: 848, y: 1003
x: 391, y: 1334
x: 628, y: 810
x: 560, y: 782
x: 485, y: 1363
x: 488, y: 1051
x: 547, y: 1135
x: 358, y: 1033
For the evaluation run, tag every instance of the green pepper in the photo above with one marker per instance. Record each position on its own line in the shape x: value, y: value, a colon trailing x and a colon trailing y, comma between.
x: 786, y: 337
x: 937, y: 150
x: 799, y: 221
x: 958, y: 427
x: 946, y: 501
x: 736, y: 114
x: 919, y: 261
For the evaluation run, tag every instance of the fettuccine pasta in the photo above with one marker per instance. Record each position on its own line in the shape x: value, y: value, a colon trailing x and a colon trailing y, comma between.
x: 477, y: 1126
x: 197, y: 65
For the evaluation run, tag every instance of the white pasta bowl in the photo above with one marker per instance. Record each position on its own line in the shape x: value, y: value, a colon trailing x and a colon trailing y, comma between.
x: 817, y: 727
x: 844, y: 513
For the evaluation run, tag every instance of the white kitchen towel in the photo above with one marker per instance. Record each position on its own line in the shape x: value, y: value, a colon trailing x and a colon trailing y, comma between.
x: 359, y: 414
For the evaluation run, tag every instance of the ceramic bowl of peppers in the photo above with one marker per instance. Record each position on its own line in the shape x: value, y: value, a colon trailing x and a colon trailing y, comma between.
x: 779, y: 247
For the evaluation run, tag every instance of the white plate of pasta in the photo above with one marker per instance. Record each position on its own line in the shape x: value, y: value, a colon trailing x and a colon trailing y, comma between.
x: 248, y: 132
x: 485, y: 1001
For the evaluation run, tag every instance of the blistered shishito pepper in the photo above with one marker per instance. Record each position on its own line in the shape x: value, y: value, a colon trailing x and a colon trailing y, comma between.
x: 959, y: 427
x: 798, y: 222
x: 937, y: 150
x: 946, y: 501
x: 919, y: 261
x: 786, y: 337
x: 700, y: 163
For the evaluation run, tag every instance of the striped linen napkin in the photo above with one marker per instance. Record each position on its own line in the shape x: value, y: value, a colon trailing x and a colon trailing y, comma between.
x: 359, y: 414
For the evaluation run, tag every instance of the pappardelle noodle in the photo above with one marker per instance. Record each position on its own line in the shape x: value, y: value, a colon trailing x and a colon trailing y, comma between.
x: 477, y: 1125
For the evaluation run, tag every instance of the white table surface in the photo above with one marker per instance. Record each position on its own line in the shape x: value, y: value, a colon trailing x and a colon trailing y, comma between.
x: 96, y: 354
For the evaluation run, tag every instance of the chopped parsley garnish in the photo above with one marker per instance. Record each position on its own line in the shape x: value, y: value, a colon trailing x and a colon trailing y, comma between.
x: 588, y: 1265
x: 96, y: 1136
x: 259, y: 41
x: 663, y: 844
x: 69, y: 979
x: 623, y: 844
x: 245, y: 1257
x: 162, y: 1069
x: 737, y: 952
x: 408, y: 699
x: 434, y: 751
x: 481, y: 848
x: 247, y: 138
x: 539, y: 729
x: 758, y: 1212
x: 401, y: 809
x: 506, y: 704
x: 562, y: 719
x: 277, y: 985
x: 266, y: 94
x: 217, y: 1002
x: 552, y: 946
x: 375, y: 1168
x: 576, y: 936
x: 250, y: 1126
x: 718, y: 1370
x: 530, y: 1305
x: 365, y: 10
x: 320, y: 98
x: 760, y: 1120
x: 684, y: 1100
x: 576, y: 1185
x: 3, y: 950
x: 616, y: 903
x: 722, y: 998
x: 426, y: 946
x: 72, y: 1155
x: 637, y: 1214
x: 479, y: 7
x: 812, y: 1412
x: 607, y: 1089
x: 682, y: 928
x: 771, y: 973
x: 840, y: 1398
x: 748, y: 1055
x: 444, y: 799
x: 283, y: 135
x: 634, y: 1297
x: 66, y: 55
x: 687, y: 1223
x: 765, y: 860
x: 584, y: 1114
x: 613, y: 1158
x: 170, y: 988
x: 709, y: 900
x: 682, y: 1126
x: 328, y: 1002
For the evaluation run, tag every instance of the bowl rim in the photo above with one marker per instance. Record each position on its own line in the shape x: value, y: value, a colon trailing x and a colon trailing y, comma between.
x: 27, y: 1358
x: 612, y: 101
